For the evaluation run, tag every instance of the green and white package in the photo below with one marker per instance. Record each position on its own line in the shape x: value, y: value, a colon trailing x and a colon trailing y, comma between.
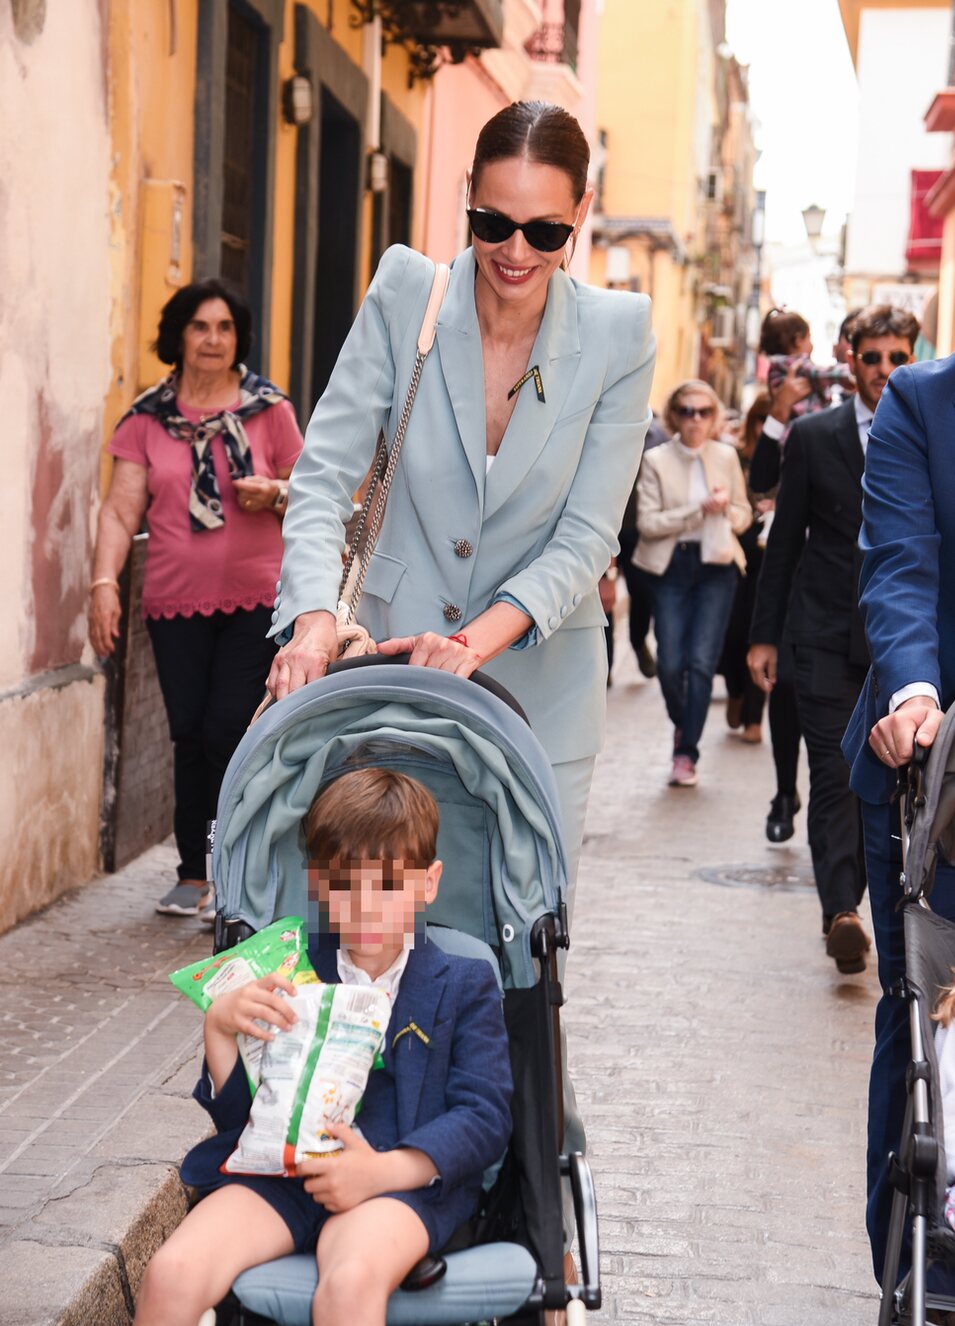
x: 281, y: 947
x: 313, y: 1073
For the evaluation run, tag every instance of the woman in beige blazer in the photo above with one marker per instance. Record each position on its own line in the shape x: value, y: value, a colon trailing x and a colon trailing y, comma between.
x: 691, y: 504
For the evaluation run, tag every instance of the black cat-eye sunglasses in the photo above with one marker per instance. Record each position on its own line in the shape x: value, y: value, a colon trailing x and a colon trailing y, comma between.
x: 495, y: 228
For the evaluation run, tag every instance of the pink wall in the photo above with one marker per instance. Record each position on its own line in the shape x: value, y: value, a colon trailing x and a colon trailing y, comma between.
x: 462, y: 99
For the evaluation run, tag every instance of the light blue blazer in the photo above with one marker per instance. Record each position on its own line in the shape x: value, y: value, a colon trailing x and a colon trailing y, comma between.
x: 541, y: 526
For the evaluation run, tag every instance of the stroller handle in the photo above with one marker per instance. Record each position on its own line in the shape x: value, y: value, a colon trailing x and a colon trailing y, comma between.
x: 479, y: 678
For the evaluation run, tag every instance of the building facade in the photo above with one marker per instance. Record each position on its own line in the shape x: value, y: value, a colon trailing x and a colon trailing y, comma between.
x: 282, y: 144
x: 675, y: 197
x: 894, y: 243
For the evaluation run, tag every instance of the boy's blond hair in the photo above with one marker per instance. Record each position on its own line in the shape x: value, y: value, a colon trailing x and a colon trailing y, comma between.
x: 945, y: 1008
x: 373, y: 813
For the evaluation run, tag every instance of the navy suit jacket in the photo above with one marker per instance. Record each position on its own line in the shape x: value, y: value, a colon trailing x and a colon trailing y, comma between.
x: 908, y: 545
x: 452, y: 1094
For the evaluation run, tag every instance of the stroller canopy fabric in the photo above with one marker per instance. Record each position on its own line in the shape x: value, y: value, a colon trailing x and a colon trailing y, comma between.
x: 500, y: 840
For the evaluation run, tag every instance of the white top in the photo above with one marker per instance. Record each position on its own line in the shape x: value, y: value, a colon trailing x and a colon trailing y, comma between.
x: 697, y: 490
x: 389, y: 980
x: 863, y: 420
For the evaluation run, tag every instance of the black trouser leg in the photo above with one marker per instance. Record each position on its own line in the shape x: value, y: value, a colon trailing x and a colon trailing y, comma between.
x: 827, y: 687
x: 785, y: 733
x: 212, y: 673
x: 639, y: 588
x: 240, y: 664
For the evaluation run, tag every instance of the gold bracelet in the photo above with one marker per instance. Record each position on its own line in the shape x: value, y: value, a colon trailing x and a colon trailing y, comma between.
x: 104, y: 580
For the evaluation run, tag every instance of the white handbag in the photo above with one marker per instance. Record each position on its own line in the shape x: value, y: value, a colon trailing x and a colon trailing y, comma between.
x: 716, y: 541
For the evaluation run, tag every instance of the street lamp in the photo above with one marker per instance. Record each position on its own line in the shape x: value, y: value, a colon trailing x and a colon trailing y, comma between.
x: 813, y: 217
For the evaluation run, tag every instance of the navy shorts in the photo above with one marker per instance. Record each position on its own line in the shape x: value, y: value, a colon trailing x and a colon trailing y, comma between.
x: 305, y: 1217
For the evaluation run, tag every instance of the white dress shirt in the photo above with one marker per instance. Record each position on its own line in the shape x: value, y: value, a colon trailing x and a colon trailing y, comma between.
x: 863, y: 420
x: 389, y: 980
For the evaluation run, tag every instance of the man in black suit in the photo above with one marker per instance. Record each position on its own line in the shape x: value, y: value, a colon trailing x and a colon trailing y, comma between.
x: 808, y: 587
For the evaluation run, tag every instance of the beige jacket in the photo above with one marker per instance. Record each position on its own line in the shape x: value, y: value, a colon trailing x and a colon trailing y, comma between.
x: 664, y: 514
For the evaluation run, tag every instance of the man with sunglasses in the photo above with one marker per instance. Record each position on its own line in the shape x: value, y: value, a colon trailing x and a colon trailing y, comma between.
x: 808, y: 591
x: 908, y: 601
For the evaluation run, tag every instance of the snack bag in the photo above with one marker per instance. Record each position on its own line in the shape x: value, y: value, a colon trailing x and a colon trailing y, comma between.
x: 313, y: 1073
x: 281, y: 947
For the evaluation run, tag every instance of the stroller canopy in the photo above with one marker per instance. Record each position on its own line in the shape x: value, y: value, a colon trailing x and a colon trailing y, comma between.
x: 500, y: 839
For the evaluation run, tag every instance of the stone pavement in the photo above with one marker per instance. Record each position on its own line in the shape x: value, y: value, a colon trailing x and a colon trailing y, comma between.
x: 719, y: 1060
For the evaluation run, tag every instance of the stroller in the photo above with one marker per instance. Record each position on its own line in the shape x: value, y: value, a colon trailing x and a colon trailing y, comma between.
x: 501, y: 898
x: 918, y: 1171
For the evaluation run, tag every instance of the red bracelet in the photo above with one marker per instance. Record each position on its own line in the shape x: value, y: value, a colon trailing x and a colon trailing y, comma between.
x: 462, y: 640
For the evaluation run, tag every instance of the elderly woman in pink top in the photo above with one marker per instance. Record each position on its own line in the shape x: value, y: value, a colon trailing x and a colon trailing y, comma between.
x: 205, y: 457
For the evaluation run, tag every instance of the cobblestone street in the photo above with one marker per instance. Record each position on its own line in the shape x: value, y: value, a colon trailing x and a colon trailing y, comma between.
x: 719, y: 1060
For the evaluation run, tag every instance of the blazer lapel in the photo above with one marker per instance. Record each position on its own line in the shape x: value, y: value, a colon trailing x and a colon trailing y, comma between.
x: 419, y: 997
x: 556, y: 353
x: 459, y: 346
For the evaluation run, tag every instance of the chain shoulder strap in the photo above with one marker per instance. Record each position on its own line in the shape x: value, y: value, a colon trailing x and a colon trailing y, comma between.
x: 385, y: 463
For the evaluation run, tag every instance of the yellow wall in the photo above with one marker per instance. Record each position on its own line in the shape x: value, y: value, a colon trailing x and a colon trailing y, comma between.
x: 152, y: 96
x: 651, y: 168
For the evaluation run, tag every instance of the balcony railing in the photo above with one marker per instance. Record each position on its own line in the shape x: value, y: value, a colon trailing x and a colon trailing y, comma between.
x: 554, y: 43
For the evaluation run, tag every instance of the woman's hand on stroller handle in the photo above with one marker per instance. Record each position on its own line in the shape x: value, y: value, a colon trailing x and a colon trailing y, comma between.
x: 430, y: 650
x: 915, y: 721
x: 313, y: 646
x: 343, y: 1179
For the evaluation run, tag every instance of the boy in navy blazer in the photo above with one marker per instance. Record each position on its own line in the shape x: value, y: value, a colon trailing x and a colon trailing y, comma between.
x: 432, y: 1119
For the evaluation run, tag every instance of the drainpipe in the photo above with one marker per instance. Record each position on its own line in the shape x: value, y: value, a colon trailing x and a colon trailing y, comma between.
x: 371, y: 67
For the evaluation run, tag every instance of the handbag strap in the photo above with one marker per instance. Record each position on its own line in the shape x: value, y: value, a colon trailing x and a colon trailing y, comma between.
x: 386, y: 460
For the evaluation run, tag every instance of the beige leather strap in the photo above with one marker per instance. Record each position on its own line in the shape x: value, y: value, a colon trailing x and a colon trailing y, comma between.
x: 372, y: 513
x: 439, y: 286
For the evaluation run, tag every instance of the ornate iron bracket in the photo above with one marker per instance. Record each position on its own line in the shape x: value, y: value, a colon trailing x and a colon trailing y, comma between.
x: 405, y: 24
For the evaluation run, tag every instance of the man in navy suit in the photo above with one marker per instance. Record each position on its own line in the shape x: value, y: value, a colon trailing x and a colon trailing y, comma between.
x: 807, y: 596
x: 433, y: 1117
x: 908, y: 599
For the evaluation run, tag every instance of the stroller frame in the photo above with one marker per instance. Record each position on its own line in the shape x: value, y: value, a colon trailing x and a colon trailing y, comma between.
x: 917, y: 1171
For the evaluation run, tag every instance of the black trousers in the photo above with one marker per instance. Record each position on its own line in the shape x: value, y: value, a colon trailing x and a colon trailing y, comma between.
x: 212, y: 673
x: 639, y: 587
x: 784, y: 733
x: 827, y: 687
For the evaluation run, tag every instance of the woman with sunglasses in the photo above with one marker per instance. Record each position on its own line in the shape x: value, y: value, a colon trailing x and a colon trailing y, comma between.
x: 522, y: 446
x: 691, y: 505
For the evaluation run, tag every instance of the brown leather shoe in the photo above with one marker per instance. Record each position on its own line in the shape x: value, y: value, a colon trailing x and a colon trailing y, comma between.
x: 847, y: 943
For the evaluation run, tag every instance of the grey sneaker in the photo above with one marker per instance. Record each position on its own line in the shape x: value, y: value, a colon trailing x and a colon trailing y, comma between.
x: 208, y: 914
x: 186, y: 900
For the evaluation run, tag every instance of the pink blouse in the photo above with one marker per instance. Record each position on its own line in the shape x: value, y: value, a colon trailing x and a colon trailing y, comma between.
x: 218, y: 570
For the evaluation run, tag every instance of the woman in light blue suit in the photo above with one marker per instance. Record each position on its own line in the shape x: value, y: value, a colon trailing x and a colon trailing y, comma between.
x: 522, y: 448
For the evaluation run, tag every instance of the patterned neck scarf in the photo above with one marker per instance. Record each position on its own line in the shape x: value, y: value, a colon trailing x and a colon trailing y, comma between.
x: 255, y: 395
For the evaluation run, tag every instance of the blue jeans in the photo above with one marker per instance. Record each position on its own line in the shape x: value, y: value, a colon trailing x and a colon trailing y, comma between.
x: 893, y: 1050
x: 692, y: 602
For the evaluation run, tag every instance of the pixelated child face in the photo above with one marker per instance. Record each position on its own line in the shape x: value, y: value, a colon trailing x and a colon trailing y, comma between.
x: 372, y: 903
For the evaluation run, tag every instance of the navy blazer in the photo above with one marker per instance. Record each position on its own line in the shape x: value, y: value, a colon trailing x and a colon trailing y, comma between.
x: 452, y: 1093
x: 908, y: 545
